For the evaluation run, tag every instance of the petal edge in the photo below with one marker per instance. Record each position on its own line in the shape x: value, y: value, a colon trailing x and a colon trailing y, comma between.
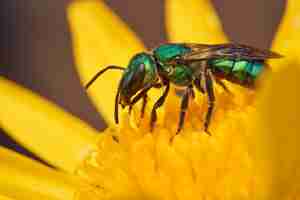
x: 193, y: 21
x: 54, y: 135
x: 100, y: 38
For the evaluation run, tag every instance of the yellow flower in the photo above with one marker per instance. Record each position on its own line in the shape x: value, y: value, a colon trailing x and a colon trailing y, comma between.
x: 253, y: 152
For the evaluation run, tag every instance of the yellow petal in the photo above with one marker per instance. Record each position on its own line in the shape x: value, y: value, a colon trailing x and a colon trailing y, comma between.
x: 22, y: 178
x: 279, y: 141
x: 193, y: 21
x: 287, y: 41
x: 45, y: 129
x: 5, y: 198
x: 100, y: 39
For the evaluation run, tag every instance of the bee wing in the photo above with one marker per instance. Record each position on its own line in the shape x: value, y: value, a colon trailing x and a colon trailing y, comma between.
x: 229, y: 50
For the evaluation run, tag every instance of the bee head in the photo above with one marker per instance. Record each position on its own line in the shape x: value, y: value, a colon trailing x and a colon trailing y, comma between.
x: 132, y: 81
x: 140, y: 72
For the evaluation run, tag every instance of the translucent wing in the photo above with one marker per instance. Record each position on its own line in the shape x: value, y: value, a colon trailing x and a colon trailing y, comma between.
x: 229, y: 50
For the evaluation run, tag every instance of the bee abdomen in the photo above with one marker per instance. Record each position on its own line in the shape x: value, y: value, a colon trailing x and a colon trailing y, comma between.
x: 240, y: 69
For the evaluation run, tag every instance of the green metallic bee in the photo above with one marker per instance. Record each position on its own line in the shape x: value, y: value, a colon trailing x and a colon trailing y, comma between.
x: 187, y: 65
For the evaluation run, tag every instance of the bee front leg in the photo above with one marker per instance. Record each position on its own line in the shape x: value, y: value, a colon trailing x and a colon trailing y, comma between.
x: 211, y: 99
x: 184, y: 106
x: 158, y: 104
x: 117, y: 99
x: 142, y: 94
x: 144, y: 103
x: 145, y: 100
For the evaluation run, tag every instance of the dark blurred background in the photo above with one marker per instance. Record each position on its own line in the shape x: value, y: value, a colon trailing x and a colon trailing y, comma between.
x: 35, y: 44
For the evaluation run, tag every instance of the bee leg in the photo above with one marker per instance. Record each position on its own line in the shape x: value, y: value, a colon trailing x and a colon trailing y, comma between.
x: 130, y: 109
x: 222, y: 84
x: 211, y: 99
x: 158, y: 104
x: 145, y: 100
x: 117, y: 99
x: 134, y: 101
x: 184, y: 105
x: 198, y: 85
x: 143, y: 94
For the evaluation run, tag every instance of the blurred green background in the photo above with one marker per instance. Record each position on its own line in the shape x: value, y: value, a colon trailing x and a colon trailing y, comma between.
x: 36, y: 50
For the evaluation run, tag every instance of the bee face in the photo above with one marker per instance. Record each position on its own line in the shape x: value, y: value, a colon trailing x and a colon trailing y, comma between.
x: 131, y: 82
x: 140, y: 72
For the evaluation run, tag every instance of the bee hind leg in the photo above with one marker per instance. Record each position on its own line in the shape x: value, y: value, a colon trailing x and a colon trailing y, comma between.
x: 211, y: 99
x: 222, y: 84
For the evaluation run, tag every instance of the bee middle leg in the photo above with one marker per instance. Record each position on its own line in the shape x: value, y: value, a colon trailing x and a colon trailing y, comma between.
x: 211, y: 99
x: 189, y: 92
x: 158, y: 104
x: 197, y: 83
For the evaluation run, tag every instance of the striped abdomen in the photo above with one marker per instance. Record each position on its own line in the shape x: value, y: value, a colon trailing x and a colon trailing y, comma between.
x: 239, y: 71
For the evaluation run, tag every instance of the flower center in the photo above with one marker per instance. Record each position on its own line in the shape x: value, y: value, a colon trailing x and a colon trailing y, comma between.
x: 132, y: 162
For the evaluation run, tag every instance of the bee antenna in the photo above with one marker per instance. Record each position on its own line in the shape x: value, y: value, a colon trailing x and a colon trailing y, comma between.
x: 100, y: 73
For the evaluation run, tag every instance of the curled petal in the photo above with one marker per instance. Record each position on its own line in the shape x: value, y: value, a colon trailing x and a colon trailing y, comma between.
x: 100, y: 38
x: 193, y: 21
